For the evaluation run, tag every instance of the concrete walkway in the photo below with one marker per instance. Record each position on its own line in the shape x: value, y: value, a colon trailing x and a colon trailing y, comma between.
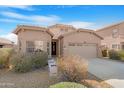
x: 109, y: 70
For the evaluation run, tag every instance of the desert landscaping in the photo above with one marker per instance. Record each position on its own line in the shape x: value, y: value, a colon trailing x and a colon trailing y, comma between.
x: 30, y: 72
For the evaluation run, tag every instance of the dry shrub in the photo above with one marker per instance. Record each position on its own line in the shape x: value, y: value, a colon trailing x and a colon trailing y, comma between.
x: 91, y: 83
x: 95, y: 84
x: 21, y: 62
x: 5, y: 54
x: 72, y: 68
x: 39, y: 59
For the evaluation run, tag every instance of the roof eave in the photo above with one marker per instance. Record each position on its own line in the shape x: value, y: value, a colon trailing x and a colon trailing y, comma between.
x: 90, y: 31
x: 16, y: 30
x: 21, y: 27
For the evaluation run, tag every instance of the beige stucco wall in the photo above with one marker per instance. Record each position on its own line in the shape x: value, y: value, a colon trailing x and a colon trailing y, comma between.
x: 81, y: 37
x: 107, y: 35
x: 34, y: 35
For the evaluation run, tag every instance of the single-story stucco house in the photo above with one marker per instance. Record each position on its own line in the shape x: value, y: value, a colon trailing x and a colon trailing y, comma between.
x: 113, y: 36
x: 5, y: 43
x: 59, y: 40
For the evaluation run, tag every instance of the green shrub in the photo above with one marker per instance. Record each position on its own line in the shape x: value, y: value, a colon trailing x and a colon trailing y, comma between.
x: 39, y: 59
x: 24, y: 62
x: 72, y: 69
x: 114, y: 55
x: 21, y: 62
x: 5, y: 54
x: 121, y: 54
x: 67, y: 85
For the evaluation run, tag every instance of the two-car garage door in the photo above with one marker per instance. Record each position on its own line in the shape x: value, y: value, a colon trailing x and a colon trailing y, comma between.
x: 83, y: 50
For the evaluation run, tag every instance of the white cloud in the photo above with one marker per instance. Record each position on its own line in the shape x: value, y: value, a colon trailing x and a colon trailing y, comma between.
x: 37, y: 19
x: 13, y: 15
x: 23, y: 7
x: 51, y: 19
x: 41, y: 20
x: 10, y: 36
x: 11, y: 20
x: 80, y: 24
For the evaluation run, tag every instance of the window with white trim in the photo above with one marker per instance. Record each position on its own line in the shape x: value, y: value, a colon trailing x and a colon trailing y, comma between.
x: 115, y: 46
x: 39, y: 45
x: 122, y: 46
x: 30, y: 46
x: 71, y: 44
x: 79, y: 44
x: 34, y: 46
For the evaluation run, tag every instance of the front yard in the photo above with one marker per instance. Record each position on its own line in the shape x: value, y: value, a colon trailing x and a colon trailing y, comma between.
x: 30, y: 70
x: 34, y: 79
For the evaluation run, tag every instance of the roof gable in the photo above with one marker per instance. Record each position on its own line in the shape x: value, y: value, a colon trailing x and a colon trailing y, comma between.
x: 23, y: 27
x: 82, y: 30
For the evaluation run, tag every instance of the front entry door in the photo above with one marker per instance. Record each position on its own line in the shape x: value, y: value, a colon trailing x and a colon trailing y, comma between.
x: 1, y: 46
x: 53, y: 48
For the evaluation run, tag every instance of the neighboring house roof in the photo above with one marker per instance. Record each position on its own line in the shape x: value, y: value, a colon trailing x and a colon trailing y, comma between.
x: 5, y: 41
x: 115, y: 24
x: 19, y: 27
x: 82, y: 30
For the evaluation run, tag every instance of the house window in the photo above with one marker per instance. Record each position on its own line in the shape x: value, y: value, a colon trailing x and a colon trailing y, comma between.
x: 119, y: 47
x: 114, y: 46
x: 71, y: 44
x: 122, y: 46
x: 38, y: 45
x: 30, y: 46
x: 115, y: 33
x: 34, y: 46
x: 79, y: 44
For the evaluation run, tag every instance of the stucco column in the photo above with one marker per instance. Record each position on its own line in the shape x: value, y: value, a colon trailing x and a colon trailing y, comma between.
x: 59, y: 48
x: 50, y: 49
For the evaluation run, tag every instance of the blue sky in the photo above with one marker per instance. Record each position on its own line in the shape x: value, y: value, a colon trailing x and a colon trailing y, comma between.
x: 92, y: 17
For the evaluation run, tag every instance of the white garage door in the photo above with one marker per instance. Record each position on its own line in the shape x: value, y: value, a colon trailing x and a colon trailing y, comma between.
x: 83, y: 50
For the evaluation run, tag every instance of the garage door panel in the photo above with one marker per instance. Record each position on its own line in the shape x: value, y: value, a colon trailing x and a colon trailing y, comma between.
x: 85, y: 50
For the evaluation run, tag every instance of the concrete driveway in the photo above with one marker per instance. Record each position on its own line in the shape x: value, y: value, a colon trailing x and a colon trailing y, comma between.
x: 109, y: 70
